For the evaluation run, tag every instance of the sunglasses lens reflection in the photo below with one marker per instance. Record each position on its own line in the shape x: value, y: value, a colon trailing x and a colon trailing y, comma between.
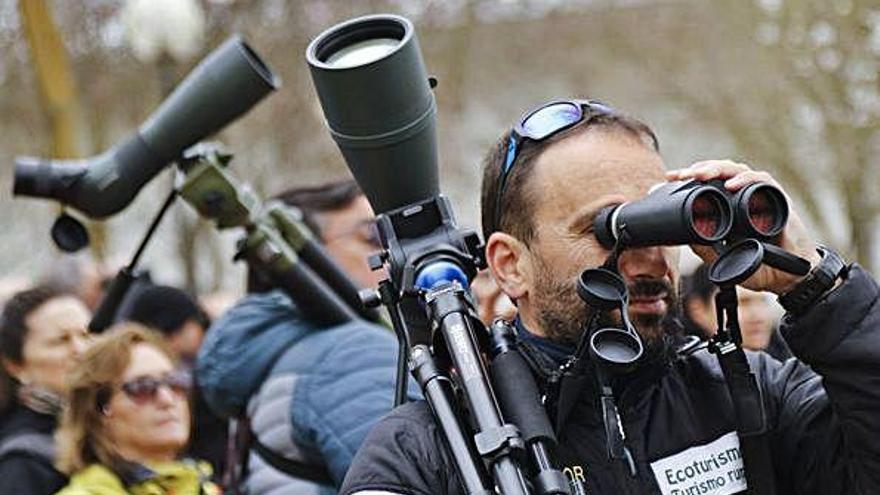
x: 550, y: 119
x: 146, y: 388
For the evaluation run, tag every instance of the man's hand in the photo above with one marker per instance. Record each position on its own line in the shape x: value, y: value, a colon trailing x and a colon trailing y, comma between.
x: 794, y: 238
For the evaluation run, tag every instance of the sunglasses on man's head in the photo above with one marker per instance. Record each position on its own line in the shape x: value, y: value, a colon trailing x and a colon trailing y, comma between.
x: 540, y: 124
x: 144, y: 389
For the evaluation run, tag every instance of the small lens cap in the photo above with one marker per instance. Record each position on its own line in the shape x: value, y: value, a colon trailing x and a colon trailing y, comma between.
x: 738, y: 263
x: 601, y: 288
x: 616, y: 349
x: 69, y: 234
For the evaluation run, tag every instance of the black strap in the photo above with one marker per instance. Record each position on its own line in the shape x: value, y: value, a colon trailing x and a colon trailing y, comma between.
x: 751, y: 428
x: 310, y: 472
x: 745, y: 393
x: 818, y: 281
x: 237, y: 452
x: 238, y: 460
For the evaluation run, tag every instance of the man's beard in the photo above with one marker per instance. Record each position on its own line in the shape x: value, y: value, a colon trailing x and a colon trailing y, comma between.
x: 563, y: 315
x: 652, y: 326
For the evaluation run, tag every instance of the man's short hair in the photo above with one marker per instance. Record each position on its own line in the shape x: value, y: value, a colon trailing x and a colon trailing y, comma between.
x: 313, y: 200
x: 515, y: 215
x: 164, y: 308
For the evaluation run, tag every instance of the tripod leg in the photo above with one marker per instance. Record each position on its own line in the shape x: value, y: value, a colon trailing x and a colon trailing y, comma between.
x: 438, y: 392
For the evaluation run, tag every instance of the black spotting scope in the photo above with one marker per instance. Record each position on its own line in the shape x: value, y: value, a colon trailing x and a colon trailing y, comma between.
x: 225, y: 85
x: 693, y: 212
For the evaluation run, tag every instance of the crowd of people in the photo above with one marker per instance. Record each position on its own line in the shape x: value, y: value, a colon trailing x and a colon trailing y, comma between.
x: 262, y: 400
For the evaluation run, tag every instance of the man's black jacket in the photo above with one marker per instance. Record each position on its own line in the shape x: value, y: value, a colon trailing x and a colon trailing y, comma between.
x: 824, y: 411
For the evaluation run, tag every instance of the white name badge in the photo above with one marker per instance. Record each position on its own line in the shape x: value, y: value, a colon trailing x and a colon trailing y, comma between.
x: 715, y: 468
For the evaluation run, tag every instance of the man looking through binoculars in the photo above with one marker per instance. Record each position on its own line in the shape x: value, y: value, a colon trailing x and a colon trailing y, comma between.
x: 544, y: 183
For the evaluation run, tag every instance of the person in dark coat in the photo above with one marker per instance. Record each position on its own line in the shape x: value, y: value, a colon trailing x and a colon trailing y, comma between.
x: 42, y: 334
x: 544, y: 184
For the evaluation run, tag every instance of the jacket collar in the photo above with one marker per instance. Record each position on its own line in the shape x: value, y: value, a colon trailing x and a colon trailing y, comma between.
x: 552, y: 355
x: 565, y: 382
x: 185, y: 471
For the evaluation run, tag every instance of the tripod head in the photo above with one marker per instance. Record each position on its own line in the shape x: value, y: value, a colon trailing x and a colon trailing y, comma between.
x: 276, y: 240
x: 424, y: 249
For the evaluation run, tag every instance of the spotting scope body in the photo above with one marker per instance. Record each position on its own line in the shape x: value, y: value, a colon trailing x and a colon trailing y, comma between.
x: 225, y: 85
x: 379, y: 106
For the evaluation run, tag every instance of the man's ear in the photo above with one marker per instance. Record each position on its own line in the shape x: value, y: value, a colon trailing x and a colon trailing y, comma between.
x: 507, y: 259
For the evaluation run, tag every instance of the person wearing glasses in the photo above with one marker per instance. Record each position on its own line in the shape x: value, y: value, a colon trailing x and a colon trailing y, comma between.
x: 128, y: 420
x: 305, y: 395
x: 544, y: 183
x: 42, y: 335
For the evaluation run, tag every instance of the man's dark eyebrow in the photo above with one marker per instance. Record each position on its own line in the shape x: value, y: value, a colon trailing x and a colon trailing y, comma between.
x: 583, y: 219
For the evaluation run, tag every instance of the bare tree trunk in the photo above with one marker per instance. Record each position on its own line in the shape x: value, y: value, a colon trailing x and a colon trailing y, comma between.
x: 55, y: 79
x: 59, y: 96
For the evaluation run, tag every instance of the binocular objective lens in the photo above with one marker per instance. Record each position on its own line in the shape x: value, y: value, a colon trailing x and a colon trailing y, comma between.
x: 763, y: 212
x: 708, y: 215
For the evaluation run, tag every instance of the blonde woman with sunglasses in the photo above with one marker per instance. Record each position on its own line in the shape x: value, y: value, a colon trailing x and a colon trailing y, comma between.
x: 128, y: 421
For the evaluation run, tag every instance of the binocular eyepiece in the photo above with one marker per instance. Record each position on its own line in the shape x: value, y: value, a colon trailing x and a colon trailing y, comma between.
x: 694, y: 212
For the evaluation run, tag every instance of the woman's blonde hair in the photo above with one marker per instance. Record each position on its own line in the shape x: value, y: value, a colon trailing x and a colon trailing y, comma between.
x: 81, y: 437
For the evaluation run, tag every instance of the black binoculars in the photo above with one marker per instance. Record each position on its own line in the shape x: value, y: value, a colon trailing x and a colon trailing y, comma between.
x: 693, y: 212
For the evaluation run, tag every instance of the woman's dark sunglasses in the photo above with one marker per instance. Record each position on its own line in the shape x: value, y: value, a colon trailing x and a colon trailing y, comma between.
x: 144, y: 389
x: 539, y: 124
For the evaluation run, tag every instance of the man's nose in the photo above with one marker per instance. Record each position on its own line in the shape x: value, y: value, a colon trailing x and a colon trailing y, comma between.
x: 648, y: 262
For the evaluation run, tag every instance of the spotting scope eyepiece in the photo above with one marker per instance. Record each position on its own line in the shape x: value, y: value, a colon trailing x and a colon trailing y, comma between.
x: 694, y: 213
x: 376, y: 97
x: 225, y: 85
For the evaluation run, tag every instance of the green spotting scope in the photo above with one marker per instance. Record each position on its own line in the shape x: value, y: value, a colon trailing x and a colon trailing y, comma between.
x: 377, y: 99
x: 225, y: 85
x: 277, y: 241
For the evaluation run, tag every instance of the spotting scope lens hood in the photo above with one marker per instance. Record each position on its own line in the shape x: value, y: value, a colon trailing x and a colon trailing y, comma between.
x: 225, y: 85
x: 377, y: 100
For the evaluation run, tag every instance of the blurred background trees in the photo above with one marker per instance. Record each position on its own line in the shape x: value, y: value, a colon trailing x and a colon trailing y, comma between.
x: 790, y: 86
